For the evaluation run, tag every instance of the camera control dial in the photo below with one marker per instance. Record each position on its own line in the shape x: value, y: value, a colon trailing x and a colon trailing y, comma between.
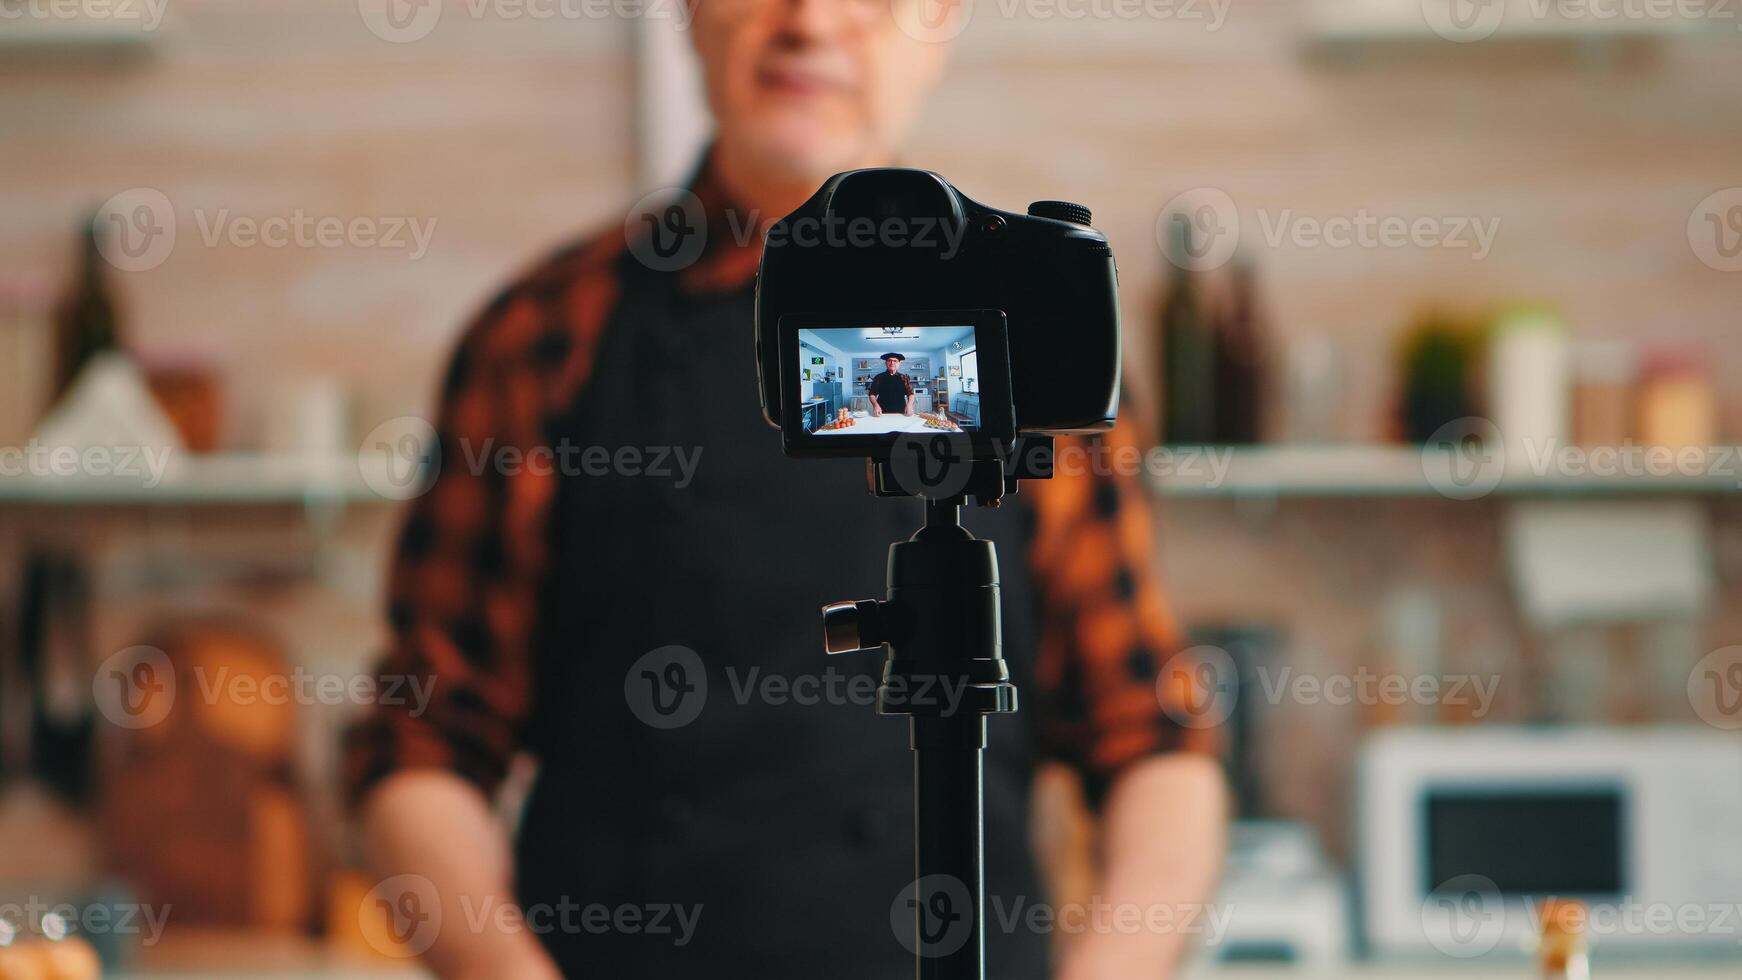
x: 1075, y: 214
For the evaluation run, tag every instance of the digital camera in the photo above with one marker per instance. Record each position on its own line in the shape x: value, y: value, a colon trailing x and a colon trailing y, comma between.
x: 890, y: 304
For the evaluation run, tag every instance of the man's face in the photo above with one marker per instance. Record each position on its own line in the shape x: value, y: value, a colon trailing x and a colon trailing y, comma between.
x: 892, y: 363
x: 808, y: 88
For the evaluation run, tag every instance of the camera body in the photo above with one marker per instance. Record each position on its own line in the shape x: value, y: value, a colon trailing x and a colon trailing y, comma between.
x: 1015, y: 316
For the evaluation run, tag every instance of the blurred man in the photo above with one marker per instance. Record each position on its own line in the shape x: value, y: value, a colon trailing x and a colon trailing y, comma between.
x: 693, y: 814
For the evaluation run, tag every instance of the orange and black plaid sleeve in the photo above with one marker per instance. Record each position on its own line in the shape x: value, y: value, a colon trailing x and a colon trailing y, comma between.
x: 463, y: 589
x: 1103, y: 693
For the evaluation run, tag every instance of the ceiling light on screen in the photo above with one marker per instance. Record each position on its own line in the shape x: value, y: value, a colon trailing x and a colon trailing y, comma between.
x: 892, y: 333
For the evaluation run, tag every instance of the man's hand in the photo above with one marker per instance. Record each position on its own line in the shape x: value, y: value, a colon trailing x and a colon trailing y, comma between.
x: 876, y: 409
x: 1163, y: 830
x: 410, y: 823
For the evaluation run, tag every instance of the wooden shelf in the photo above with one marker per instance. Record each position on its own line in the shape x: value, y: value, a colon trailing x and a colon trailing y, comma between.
x: 75, y: 38
x: 1353, y: 24
x: 1359, y: 471
x: 219, y: 479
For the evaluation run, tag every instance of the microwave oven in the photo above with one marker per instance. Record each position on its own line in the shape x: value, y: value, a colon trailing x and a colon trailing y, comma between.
x: 1460, y: 832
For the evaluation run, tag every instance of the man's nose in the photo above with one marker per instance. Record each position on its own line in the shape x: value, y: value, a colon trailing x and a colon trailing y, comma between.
x: 823, y: 18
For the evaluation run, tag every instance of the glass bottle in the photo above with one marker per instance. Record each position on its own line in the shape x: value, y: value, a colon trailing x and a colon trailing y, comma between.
x: 1561, y: 953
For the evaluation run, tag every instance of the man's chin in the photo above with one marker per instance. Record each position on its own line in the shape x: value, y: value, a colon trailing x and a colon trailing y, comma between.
x: 797, y: 153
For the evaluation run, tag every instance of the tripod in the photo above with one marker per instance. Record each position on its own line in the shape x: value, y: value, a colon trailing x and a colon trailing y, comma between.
x: 941, y: 622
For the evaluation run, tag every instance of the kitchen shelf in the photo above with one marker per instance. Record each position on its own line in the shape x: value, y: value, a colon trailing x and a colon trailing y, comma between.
x: 1355, y: 471
x: 1360, y: 471
x: 217, y: 479
x: 76, y: 39
x: 1345, y: 25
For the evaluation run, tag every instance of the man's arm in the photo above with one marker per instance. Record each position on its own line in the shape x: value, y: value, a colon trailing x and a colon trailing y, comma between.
x: 433, y: 824
x: 1150, y: 763
x: 463, y: 605
x: 1163, y: 831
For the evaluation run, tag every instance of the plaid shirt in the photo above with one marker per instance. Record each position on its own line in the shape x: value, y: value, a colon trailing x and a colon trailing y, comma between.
x: 466, y: 577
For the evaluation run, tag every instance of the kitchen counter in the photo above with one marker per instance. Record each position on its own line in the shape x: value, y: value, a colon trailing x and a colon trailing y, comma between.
x: 881, y: 425
x: 209, y: 954
x: 216, y: 953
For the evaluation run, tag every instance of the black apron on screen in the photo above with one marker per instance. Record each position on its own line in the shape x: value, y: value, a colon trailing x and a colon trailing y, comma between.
x: 788, y: 825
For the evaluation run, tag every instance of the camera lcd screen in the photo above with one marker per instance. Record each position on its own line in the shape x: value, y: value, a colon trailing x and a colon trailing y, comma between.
x: 856, y: 384
x: 889, y: 378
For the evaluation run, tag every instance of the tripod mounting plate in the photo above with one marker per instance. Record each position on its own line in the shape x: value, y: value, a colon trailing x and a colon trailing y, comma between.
x: 939, y: 467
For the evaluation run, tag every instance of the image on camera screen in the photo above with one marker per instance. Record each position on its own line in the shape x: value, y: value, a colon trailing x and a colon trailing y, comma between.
x: 876, y: 380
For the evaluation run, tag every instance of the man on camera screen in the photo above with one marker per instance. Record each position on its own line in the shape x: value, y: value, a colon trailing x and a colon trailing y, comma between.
x: 714, y: 797
x: 891, y: 391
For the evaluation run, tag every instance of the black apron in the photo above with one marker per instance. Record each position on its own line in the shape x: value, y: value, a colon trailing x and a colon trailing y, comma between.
x: 890, y: 390
x: 788, y: 824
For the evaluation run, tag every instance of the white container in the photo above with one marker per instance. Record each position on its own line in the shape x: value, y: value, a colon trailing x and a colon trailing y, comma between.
x: 1530, y: 382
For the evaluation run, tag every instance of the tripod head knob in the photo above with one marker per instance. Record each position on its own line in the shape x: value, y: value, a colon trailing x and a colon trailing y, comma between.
x: 849, y: 627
